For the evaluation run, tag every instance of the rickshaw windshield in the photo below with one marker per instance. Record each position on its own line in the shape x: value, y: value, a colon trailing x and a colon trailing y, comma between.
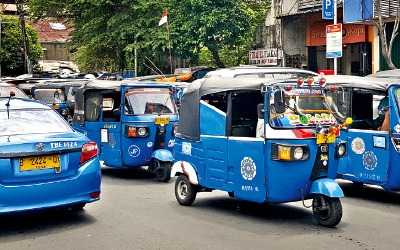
x: 305, y: 108
x: 149, y: 101
x: 50, y: 95
x: 397, y: 95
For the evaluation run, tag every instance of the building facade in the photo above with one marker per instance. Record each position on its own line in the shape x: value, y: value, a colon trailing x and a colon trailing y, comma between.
x: 298, y: 32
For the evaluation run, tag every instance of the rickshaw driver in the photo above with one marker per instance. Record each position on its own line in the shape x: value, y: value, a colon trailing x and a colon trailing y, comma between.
x: 383, y: 111
x: 149, y: 108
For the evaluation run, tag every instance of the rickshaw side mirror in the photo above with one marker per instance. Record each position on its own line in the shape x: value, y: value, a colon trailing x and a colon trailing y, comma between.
x: 117, y: 112
x: 279, y: 101
x: 260, y: 110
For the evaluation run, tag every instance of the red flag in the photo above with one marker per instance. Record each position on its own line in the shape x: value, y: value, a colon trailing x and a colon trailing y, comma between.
x: 163, y: 19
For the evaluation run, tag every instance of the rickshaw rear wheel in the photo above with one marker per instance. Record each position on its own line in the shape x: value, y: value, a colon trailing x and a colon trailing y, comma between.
x: 327, y: 210
x: 163, y: 171
x: 185, y: 192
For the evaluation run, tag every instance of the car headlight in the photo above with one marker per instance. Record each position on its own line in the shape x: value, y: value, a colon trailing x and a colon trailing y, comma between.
x: 341, y: 150
x: 285, y: 152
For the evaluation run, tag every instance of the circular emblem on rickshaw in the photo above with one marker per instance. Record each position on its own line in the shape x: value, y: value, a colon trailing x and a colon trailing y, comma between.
x: 369, y: 160
x: 358, y: 145
x: 248, y: 168
x: 134, y: 151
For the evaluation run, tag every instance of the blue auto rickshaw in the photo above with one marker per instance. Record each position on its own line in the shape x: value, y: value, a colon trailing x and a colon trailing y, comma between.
x: 58, y: 94
x: 219, y: 145
x: 373, y: 154
x: 132, y: 122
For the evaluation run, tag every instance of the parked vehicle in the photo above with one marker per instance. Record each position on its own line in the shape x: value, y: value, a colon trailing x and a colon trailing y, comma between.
x: 6, y: 88
x: 43, y: 162
x: 58, y: 94
x: 261, y: 72
x: 133, y: 122
x: 217, y: 146
x: 374, y: 137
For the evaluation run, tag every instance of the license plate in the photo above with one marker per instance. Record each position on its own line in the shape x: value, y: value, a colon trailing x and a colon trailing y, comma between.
x: 323, y: 138
x: 162, y: 120
x: 39, y: 162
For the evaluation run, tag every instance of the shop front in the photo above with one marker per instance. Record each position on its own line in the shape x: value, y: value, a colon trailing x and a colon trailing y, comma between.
x: 357, y: 51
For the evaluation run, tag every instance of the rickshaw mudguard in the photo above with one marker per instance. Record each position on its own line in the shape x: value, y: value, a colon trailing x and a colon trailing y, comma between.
x: 162, y: 155
x: 183, y: 167
x: 326, y: 186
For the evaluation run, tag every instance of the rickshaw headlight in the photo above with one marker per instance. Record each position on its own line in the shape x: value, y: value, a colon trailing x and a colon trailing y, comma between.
x: 133, y: 131
x: 64, y: 112
x: 142, y: 132
x: 286, y: 152
x: 298, y: 153
x: 341, y: 150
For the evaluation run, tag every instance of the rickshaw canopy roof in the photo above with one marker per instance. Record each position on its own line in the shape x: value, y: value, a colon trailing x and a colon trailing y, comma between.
x: 392, y: 73
x: 189, y: 124
x: 373, y: 83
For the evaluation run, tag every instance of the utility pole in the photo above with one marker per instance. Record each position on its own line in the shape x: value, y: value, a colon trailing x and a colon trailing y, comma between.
x: 27, y: 61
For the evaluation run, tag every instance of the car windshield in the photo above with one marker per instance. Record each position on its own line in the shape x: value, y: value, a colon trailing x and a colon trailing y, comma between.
x: 305, y: 108
x: 50, y: 95
x: 38, y: 121
x: 5, y: 92
x: 149, y: 101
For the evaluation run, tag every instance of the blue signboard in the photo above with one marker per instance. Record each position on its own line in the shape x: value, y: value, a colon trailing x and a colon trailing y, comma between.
x: 327, y: 9
x: 357, y: 10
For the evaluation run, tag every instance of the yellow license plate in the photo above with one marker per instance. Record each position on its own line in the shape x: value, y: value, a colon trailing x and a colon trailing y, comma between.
x: 39, y: 162
x: 162, y: 120
x: 323, y: 138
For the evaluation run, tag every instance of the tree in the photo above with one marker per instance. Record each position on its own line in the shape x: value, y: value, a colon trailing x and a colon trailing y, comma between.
x: 216, y: 25
x: 381, y: 25
x: 11, y: 51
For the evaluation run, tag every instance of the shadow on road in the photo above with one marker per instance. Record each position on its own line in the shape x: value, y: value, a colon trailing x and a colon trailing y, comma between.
x: 373, y: 193
x: 19, y: 226
x: 138, y: 173
x: 290, y: 214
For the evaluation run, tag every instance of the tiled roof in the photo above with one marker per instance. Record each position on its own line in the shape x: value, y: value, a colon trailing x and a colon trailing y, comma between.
x: 51, y: 31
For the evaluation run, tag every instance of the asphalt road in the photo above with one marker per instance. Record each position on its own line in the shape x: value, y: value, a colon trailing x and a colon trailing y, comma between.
x: 138, y: 212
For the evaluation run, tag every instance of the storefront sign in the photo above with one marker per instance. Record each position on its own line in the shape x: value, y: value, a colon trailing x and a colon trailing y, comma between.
x: 264, y: 57
x: 351, y: 33
x: 334, y: 40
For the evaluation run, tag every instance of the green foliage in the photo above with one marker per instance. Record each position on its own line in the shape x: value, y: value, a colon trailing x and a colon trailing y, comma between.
x: 11, y: 51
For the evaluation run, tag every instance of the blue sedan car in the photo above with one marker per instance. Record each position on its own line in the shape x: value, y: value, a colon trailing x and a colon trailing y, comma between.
x: 44, y: 163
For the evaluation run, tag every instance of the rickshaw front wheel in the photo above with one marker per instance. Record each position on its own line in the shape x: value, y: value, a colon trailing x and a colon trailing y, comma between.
x: 327, y: 210
x: 185, y: 192
x: 163, y: 171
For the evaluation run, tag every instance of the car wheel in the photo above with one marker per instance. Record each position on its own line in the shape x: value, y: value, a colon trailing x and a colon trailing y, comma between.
x: 185, y: 192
